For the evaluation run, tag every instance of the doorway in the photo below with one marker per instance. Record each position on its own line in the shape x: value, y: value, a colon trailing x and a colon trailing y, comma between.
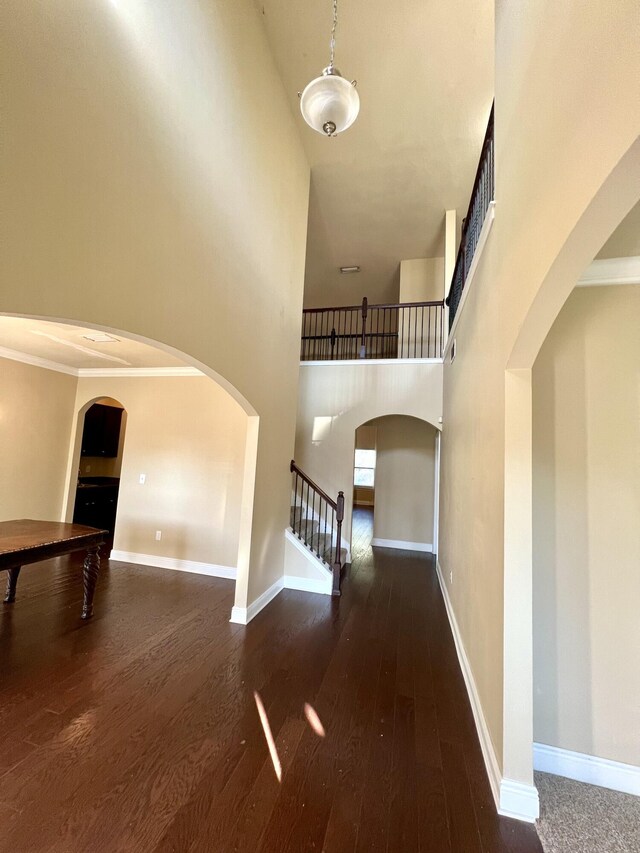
x: 395, y: 484
x: 100, y: 464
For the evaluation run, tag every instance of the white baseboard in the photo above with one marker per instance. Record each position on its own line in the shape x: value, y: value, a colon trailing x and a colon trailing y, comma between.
x: 587, y: 768
x: 244, y: 615
x: 402, y: 545
x: 308, y: 584
x: 519, y: 801
x: 176, y: 565
x: 512, y: 799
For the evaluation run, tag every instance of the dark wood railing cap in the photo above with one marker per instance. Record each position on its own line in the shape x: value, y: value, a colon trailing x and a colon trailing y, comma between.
x: 387, y: 305
x: 294, y: 468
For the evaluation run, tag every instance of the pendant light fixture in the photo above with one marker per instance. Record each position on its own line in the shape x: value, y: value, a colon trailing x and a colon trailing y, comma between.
x: 330, y: 104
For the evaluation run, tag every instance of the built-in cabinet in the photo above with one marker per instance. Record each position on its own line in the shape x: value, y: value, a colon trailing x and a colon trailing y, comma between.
x: 97, y: 502
x: 101, y: 432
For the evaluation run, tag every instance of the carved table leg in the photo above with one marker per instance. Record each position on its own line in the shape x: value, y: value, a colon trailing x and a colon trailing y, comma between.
x: 12, y: 583
x: 90, y: 578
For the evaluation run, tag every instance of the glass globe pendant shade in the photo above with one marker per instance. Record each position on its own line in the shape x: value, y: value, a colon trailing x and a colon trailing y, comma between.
x: 330, y: 104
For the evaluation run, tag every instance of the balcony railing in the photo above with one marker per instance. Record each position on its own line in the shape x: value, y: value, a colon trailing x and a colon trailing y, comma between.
x: 481, y: 196
x: 401, y: 330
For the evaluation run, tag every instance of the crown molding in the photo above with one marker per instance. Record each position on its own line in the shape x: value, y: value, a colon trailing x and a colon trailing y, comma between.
x: 97, y: 372
x: 35, y: 361
x: 119, y: 373
x: 611, y: 271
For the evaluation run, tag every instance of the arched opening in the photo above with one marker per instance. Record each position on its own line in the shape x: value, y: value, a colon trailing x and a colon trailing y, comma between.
x: 184, y: 477
x: 99, y: 447
x: 395, y: 484
x: 586, y: 545
x: 615, y: 198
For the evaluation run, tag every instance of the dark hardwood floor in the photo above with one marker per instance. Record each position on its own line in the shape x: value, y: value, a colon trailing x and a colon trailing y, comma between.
x: 139, y: 731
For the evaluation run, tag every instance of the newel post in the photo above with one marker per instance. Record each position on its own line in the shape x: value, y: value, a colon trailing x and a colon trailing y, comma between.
x: 337, y: 564
x: 363, y: 345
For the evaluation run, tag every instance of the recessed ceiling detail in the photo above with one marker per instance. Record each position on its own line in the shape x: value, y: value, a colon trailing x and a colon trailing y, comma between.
x: 60, y: 344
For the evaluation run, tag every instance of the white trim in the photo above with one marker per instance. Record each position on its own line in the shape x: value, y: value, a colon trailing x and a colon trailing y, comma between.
x: 388, y: 361
x: 316, y: 585
x: 36, y: 361
x: 482, y: 239
x: 604, y: 271
x: 401, y: 545
x: 96, y: 372
x: 197, y: 568
x: 512, y: 799
x: 244, y: 615
x: 519, y: 801
x: 587, y: 768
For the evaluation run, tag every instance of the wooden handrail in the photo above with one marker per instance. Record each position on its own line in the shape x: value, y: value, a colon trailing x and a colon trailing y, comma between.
x: 319, y: 519
x: 459, y: 269
x: 370, y: 307
x: 294, y: 469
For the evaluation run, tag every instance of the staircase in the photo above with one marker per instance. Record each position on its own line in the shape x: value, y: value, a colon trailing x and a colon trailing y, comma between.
x: 316, y: 520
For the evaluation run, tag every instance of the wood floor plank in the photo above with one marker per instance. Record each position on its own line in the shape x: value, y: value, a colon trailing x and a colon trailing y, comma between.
x: 139, y: 730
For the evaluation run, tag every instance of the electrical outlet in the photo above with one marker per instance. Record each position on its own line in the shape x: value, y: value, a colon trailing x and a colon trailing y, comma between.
x: 143, y: 479
x: 450, y: 577
x: 158, y: 535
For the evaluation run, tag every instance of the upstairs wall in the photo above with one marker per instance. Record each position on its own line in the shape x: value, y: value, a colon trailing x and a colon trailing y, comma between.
x: 154, y: 183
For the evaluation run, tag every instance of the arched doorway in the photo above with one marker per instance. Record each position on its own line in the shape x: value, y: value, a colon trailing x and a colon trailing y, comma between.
x: 612, y: 202
x: 161, y: 400
x: 101, y: 447
x: 395, y: 484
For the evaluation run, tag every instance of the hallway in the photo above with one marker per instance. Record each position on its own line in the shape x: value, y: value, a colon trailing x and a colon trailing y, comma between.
x: 139, y: 732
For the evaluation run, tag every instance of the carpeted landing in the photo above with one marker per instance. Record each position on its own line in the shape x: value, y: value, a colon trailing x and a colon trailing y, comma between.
x: 579, y: 818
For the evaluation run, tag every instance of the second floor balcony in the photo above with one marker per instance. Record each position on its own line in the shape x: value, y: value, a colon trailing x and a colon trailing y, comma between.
x: 410, y: 330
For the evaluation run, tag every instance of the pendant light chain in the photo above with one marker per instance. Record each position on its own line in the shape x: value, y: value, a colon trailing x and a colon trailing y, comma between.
x: 329, y: 103
x: 332, y: 43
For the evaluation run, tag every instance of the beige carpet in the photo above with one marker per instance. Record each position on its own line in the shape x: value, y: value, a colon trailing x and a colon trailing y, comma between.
x: 579, y: 818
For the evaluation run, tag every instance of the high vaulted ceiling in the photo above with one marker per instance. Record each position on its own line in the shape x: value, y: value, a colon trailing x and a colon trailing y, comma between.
x: 379, y: 191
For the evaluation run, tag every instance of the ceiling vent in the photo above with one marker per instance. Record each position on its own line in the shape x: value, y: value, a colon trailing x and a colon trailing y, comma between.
x: 101, y: 338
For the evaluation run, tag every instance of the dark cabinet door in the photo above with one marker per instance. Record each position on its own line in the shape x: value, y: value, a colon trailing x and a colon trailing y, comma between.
x: 101, y: 433
x: 96, y: 507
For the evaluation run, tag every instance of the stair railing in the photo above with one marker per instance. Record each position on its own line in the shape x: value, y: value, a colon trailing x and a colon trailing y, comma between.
x: 482, y: 195
x: 394, y: 330
x: 316, y: 519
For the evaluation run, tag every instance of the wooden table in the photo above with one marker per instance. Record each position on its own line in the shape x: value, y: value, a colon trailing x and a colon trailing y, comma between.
x: 27, y: 541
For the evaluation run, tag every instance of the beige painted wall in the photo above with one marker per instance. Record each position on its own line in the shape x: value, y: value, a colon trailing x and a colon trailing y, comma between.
x: 552, y: 158
x: 586, y: 453
x: 154, y: 182
x: 335, y: 399
x: 36, y: 413
x: 421, y: 280
x: 405, y: 470
x: 188, y: 436
x: 625, y: 240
